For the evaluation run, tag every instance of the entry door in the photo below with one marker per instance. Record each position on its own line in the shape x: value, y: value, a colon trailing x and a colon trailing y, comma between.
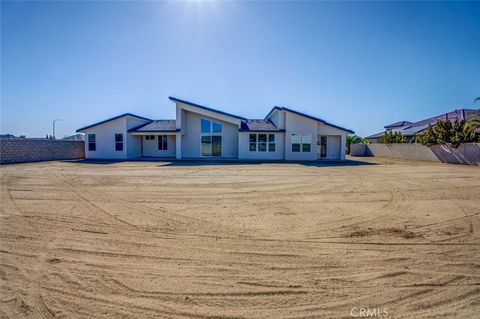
x: 321, y: 147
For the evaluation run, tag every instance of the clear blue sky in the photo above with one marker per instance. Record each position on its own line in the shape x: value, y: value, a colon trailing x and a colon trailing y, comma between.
x: 358, y: 65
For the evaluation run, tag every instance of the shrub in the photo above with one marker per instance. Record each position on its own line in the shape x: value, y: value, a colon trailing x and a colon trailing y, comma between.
x: 392, y: 137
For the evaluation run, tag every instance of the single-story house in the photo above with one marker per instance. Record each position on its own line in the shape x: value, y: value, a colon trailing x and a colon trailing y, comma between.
x: 410, y: 130
x: 201, y: 132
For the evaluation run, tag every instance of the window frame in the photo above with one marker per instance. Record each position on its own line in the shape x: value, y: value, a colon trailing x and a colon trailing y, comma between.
x: 92, y: 143
x: 118, y: 143
x: 212, y: 134
x: 266, y: 144
x: 300, y: 146
x: 162, y: 142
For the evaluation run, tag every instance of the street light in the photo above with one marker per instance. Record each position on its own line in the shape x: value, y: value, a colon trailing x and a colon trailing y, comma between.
x: 54, y: 126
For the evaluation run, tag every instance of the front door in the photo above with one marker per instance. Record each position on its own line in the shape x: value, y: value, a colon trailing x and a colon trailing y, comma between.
x: 321, y: 147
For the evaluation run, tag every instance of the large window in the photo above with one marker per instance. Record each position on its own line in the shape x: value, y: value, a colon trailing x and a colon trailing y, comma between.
x: 211, y: 145
x: 162, y: 142
x: 211, y: 138
x: 92, y: 142
x: 261, y: 142
x: 119, y: 142
x: 301, y: 142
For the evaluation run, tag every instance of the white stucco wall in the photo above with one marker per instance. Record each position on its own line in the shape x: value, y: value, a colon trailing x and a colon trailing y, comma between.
x: 278, y: 118
x: 336, y: 141
x: 296, y: 124
x: 244, y: 144
x: 191, y: 136
x: 150, y: 147
x: 134, y: 148
x: 105, y: 139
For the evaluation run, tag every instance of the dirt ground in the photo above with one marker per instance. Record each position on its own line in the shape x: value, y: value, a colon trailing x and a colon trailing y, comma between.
x: 193, y: 240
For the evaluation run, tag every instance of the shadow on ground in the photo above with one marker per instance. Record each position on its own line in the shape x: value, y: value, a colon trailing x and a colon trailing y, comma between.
x: 180, y: 163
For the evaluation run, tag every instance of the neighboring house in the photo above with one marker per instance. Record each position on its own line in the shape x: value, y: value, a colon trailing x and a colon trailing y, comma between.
x: 410, y: 130
x: 75, y: 137
x: 200, y: 132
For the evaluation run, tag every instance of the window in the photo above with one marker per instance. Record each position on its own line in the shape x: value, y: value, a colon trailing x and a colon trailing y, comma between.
x: 205, y: 126
x: 118, y: 142
x: 216, y: 145
x: 271, y: 142
x: 260, y: 143
x: 253, y: 143
x: 211, y: 138
x: 217, y: 128
x: 92, y: 144
x: 301, y: 142
x: 306, y: 142
x: 206, y: 145
x: 150, y: 137
x: 296, y: 142
x: 162, y: 142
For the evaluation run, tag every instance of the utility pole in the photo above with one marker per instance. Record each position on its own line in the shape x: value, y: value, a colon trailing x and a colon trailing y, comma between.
x: 54, y: 126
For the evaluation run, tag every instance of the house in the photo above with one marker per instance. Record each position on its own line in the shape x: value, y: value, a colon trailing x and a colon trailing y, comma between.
x: 410, y: 130
x: 201, y: 132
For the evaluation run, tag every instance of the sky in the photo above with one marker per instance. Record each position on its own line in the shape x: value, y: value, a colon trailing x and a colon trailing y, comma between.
x: 360, y: 65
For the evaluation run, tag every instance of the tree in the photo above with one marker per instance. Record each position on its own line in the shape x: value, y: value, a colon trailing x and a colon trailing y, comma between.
x: 390, y: 137
x: 354, y: 139
x: 458, y: 136
x: 470, y: 129
x: 427, y: 138
x: 443, y: 131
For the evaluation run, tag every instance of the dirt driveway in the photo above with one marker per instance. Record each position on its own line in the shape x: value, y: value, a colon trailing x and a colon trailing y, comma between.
x: 185, y: 240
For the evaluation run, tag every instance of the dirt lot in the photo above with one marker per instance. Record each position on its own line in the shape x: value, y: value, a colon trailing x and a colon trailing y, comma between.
x: 183, y: 240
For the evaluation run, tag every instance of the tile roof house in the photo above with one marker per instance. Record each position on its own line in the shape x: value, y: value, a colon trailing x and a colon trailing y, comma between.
x: 409, y: 129
x: 201, y: 132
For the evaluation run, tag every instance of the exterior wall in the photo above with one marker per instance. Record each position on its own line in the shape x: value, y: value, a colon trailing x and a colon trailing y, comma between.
x: 244, y: 144
x: 105, y: 138
x: 133, y: 143
x: 336, y: 141
x: 402, y: 151
x: 18, y: 150
x: 278, y: 118
x: 191, y: 135
x: 298, y: 124
x: 333, y: 147
x: 468, y: 153
x: 150, y: 147
x: 358, y: 149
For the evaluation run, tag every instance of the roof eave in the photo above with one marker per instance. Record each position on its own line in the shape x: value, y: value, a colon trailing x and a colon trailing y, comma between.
x: 206, y: 108
x: 81, y: 130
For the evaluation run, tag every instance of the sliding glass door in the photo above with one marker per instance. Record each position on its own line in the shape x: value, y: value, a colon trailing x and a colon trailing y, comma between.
x: 211, y: 145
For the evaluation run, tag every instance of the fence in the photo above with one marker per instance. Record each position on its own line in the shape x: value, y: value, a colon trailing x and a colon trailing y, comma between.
x: 465, y: 154
x: 18, y: 150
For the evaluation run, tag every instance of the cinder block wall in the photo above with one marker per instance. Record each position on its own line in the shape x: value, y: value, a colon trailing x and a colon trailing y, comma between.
x: 465, y: 154
x: 18, y: 150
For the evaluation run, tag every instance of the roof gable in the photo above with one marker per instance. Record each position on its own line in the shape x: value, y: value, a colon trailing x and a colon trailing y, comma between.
x: 206, y: 108
x: 286, y: 109
x: 112, y: 119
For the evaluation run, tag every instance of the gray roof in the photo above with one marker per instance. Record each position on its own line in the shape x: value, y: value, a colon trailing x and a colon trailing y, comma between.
x: 259, y: 126
x: 377, y: 135
x: 417, y: 127
x: 396, y: 124
x: 156, y: 126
